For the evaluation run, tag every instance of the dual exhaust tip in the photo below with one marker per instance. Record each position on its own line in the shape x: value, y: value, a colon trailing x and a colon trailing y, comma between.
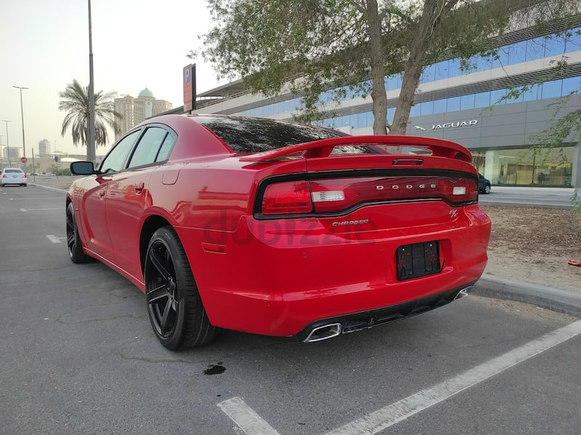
x: 331, y: 330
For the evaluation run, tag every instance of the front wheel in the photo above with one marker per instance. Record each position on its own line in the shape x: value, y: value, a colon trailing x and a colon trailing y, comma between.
x: 487, y: 189
x: 175, y: 308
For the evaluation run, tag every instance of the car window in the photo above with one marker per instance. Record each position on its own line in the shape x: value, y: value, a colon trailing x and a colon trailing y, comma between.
x: 252, y: 135
x: 148, y: 148
x: 13, y: 171
x: 166, y: 148
x: 115, y: 160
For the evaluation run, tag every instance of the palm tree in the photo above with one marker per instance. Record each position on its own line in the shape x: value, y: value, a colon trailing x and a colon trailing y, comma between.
x: 75, y: 101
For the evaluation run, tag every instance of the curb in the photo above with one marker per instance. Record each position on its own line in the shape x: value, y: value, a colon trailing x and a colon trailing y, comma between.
x: 560, y: 301
x: 54, y: 189
x: 523, y: 205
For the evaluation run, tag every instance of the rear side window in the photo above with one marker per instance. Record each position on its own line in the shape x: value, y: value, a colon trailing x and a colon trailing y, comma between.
x: 149, y: 148
x: 253, y: 135
x: 166, y: 148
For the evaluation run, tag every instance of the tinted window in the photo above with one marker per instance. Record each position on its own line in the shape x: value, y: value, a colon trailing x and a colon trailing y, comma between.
x: 115, y: 160
x: 252, y: 135
x: 13, y: 171
x: 148, y: 147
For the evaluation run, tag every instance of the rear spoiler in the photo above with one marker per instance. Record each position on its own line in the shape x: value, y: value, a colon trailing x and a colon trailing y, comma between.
x: 324, y: 147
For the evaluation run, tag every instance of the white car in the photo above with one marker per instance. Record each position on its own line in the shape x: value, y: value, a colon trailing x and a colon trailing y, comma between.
x: 13, y: 176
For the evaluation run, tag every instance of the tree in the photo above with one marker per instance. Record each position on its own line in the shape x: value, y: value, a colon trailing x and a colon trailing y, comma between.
x: 310, y: 46
x: 75, y: 101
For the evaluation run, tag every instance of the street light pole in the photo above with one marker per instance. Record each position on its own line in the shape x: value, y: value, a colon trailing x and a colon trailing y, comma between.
x: 91, y: 154
x: 7, y: 142
x: 22, y: 115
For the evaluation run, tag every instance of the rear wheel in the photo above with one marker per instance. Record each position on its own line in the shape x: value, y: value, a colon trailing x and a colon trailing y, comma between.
x: 74, y: 245
x: 487, y: 189
x: 175, y: 309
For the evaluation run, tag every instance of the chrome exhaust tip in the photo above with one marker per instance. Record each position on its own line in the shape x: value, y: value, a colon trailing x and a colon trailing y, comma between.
x: 463, y: 293
x: 324, y: 332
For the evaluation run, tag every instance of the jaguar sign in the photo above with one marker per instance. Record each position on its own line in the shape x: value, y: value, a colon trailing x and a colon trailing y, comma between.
x: 449, y: 125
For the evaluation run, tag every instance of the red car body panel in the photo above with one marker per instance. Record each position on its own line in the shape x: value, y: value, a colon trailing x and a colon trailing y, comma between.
x: 276, y: 275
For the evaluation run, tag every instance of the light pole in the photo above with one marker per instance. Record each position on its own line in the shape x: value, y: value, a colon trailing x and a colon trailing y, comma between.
x: 22, y: 115
x: 7, y: 142
x: 91, y: 153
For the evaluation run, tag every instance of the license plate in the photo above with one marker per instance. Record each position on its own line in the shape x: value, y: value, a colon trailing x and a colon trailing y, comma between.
x: 419, y: 259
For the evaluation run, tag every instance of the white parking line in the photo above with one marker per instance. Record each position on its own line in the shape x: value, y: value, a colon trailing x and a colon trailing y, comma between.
x: 252, y: 424
x: 399, y: 411
x: 55, y: 239
x: 246, y: 419
x: 24, y: 210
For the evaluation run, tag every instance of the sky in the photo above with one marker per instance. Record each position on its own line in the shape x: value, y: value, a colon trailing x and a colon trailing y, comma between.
x: 44, y: 45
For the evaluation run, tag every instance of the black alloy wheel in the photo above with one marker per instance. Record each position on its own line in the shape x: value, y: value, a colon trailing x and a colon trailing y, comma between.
x: 74, y: 245
x: 174, y: 306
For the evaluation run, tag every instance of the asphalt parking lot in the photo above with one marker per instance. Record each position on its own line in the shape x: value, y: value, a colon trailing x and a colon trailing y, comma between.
x: 78, y: 357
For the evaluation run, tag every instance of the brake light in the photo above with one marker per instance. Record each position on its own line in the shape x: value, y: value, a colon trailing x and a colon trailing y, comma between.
x: 456, y: 190
x: 25, y: 176
x: 291, y: 197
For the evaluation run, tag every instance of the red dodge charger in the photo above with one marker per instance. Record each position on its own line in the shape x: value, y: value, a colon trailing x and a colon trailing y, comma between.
x: 278, y: 228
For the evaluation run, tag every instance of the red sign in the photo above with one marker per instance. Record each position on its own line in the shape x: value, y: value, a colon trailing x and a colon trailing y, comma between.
x: 23, y: 159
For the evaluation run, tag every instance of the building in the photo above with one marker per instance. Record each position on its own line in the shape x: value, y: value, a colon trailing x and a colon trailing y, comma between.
x: 9, y: 160
x: 463, y: 106
x: 44, y: 148
x: 136, y: 110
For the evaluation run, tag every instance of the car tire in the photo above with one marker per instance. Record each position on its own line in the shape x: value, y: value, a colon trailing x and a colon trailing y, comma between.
x: 175, y: 309
x: 486, y: 189
x: 74, y: 244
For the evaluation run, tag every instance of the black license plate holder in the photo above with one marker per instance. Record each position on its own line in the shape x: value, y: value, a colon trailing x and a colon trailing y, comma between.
x: 417, y: 260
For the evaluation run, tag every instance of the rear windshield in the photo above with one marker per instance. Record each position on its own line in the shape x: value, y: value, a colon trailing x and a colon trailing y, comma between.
x: 13, y: 171
x: 253, y: 135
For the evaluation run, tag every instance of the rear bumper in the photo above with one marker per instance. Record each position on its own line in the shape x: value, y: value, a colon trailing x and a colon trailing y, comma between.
x: 329, y: 328
x: 286, y: 280
x: 14, y: 182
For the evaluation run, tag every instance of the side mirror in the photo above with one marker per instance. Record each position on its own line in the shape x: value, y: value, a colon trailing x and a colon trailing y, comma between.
x: 82, y: 168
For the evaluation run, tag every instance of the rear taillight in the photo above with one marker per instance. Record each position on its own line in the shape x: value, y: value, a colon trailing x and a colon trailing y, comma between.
x: 341, y: 194
x: 291, y: 197
x: 344, y: 193
x: 25, y: 176
x: 459, y: 190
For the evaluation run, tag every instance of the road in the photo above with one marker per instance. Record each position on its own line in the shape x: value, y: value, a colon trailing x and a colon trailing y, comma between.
x: 552, y: 197
x: 78, y: 357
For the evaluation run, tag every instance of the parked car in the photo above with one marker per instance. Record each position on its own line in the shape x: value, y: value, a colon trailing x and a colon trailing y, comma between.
x: 13, y: 176
x: 277, y: 228
x: 483, y: 184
